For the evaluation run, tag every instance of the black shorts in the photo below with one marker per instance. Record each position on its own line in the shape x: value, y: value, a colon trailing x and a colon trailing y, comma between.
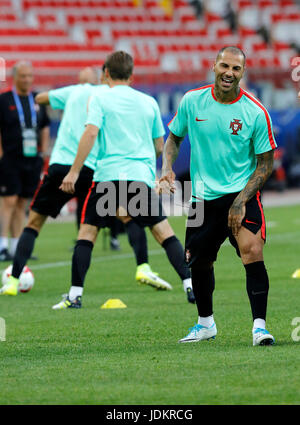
x: 139, y: 200
x: 20, y: 177
x: 49, y: 199
x: 203, y: 243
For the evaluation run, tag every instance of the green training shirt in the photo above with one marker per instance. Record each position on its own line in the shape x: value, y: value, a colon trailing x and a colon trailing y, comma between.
x: 224, y: 138
x: 73, y: 100
x: 128, y: 120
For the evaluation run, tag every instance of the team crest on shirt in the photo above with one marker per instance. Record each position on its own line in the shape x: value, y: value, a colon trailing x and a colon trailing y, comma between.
x: 236, y: 125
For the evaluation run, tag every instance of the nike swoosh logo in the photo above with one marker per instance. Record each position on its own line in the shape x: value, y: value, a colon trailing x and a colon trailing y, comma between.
x: 200, y: 120
x: 258, y: 293
x: 251, y: 222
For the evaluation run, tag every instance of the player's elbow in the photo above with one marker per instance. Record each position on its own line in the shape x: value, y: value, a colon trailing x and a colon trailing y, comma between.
x: 91, y: 131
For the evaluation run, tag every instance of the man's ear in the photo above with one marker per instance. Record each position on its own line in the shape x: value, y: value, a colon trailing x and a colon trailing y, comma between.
x: 214, y: 66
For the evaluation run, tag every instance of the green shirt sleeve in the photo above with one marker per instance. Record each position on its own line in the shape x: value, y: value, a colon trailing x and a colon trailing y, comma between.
x: 263, y: 137
x: 95, y: 112
x: 158, y: 127
x: 179, y: 124
x: 58, y: 97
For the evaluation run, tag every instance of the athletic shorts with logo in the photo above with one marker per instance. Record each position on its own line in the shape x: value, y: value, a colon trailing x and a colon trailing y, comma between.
x: 49, y: 199
x: 20, y: 176
x: 203, y: 243
x: 137, y: 199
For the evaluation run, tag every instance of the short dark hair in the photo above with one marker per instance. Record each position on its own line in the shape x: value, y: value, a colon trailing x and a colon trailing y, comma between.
x: 232, y: 49
x: 119, y: 65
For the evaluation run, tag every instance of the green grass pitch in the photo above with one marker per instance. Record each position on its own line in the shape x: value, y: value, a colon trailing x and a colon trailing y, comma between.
x: 131, y: 356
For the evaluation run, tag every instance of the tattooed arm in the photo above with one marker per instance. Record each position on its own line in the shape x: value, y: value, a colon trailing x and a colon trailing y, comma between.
x: 262, y: 172
x: 159, y: 146
x: 171, y: 150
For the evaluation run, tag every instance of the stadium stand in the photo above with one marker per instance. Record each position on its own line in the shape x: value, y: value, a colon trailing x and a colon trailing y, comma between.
x: 165, y: 37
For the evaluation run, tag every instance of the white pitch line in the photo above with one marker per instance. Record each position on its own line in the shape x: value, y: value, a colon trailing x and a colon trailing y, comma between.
x: 279, y: 237
x: 94, y: 260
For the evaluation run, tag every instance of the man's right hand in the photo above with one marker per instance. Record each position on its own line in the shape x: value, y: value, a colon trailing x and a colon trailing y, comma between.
x: 166, y: 183
x: 68, y: 183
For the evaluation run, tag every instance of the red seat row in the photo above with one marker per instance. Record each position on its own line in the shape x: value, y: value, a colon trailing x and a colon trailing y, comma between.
x: 7, y: 17
x: 278, y: 17
x: 161, y: 33
x: 29, y: 4
x: 55, y: 48
x: 31, y: 32
x: 72, y: 19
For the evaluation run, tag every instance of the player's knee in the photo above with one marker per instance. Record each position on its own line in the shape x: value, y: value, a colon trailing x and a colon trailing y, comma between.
x: 162, y: 231
x: 202, y: 265
x: 35, y: 221
x: 9, y: 202
x: 88, y: 232
x: 251, y: 251
x: 21, y: 203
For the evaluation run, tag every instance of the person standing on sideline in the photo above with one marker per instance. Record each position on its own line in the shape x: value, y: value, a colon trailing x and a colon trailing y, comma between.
x: 232, y: 148
x: 24, y: 129
x: 129, y: 140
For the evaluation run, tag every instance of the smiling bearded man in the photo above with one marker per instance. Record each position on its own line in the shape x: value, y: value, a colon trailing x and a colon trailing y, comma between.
x: 232, y: 147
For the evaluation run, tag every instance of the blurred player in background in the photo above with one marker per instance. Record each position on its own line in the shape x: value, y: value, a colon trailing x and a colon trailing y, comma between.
x: 49, y: 199
x: 130, y: 139
x: 232, y: 149
x: 24, y: 128
x: 88, y: 75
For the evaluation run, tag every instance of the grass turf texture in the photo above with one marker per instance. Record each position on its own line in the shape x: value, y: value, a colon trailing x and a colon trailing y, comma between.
x: 131, y: 356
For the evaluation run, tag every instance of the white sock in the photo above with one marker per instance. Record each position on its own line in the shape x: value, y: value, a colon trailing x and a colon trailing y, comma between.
x: 13, y: 245
x: 206, y: 321
x: 259, y: 323
x: 75, y: 291
x: 3, y: 243
x: 187, y: 283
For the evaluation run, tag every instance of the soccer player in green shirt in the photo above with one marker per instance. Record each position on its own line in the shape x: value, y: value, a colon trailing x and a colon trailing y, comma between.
x: 129, y: 140
x: 232, y: 147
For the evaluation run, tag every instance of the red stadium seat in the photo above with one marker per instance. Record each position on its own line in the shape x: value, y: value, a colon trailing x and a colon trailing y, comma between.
x: 149, y: 32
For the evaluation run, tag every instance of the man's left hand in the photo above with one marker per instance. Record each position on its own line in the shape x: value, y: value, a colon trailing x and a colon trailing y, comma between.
x: 68, y: 183
x: 235, y: 217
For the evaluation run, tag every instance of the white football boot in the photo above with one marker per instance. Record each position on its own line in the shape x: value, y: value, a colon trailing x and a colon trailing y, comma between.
x: 262, y: 337
x: 200, y: 333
